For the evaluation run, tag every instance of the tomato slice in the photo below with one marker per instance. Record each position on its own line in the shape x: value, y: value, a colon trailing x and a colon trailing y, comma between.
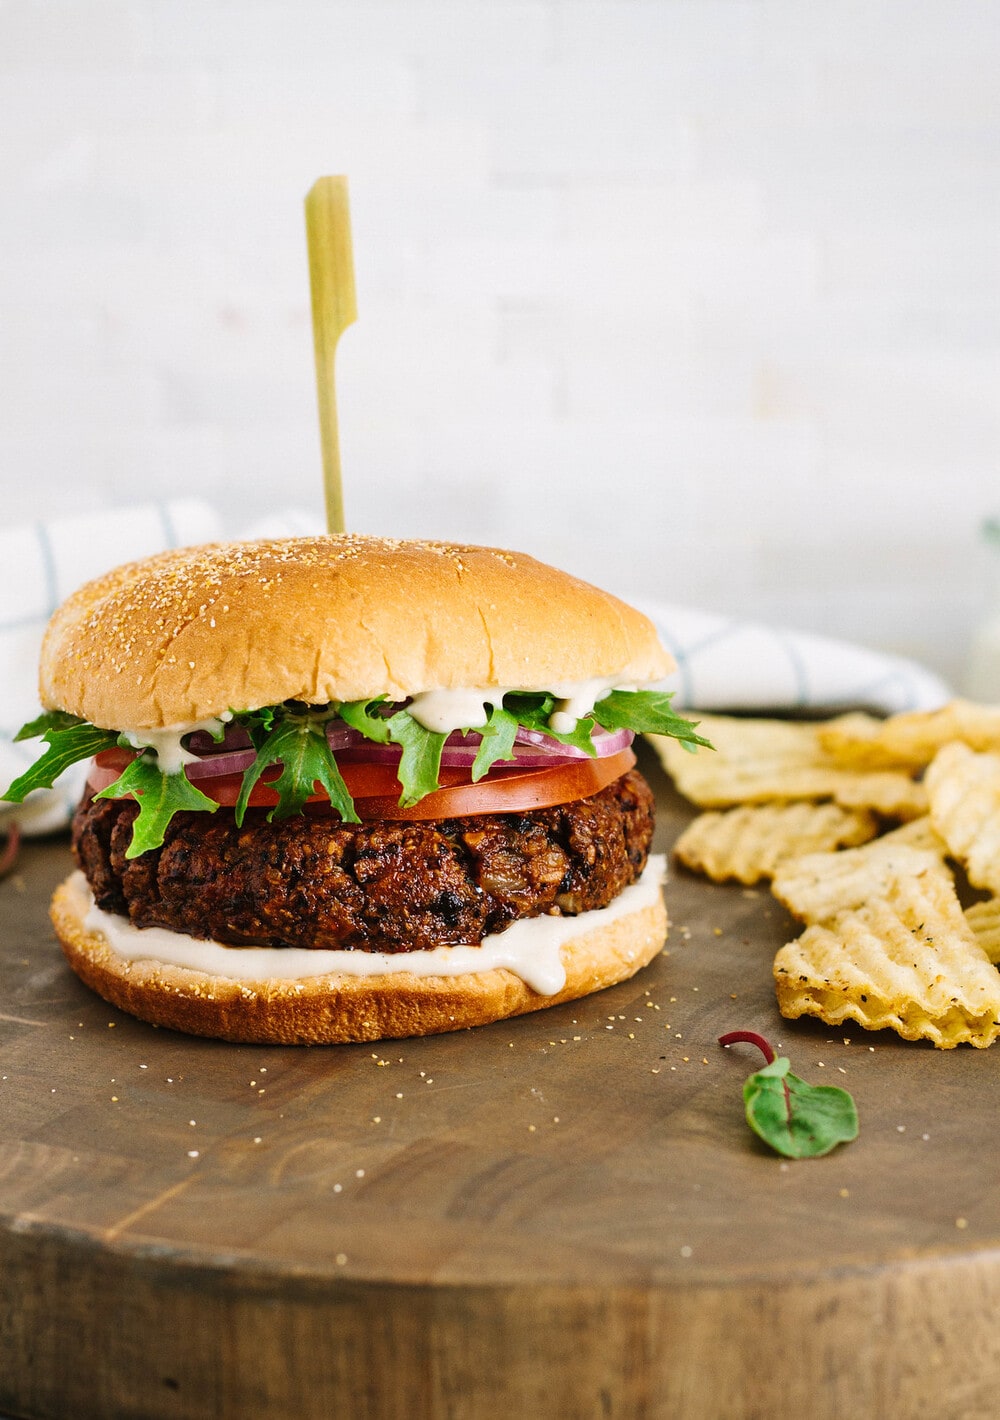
x: 375, y: 788
x: 515, y: 792
x: 115, y: 758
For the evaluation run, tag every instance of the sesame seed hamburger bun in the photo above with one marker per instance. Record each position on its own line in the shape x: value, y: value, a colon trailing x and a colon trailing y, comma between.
x: 190, y: 634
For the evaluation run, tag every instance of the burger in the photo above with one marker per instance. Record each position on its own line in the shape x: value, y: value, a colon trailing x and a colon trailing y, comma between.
x: 345, y: 788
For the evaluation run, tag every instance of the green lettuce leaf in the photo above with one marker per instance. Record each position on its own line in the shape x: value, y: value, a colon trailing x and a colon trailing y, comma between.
x: 498, y: 735
x: 420, y: 763
x: 257, y: 723
x: 532, y: 709
x: 647, y: 712
x: 68, y: 741
x: 159, y: 797
x: 48, y: 720
x: 300, y: 745
x: 363, y: 716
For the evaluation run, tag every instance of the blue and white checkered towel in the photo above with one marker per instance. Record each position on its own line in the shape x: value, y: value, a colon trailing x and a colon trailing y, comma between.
x: 722, y: 664
x: 40, y: 564
x: 727, y: 664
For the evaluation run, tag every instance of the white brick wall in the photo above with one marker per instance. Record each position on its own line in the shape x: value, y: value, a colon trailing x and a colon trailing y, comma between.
x: 698, y: 297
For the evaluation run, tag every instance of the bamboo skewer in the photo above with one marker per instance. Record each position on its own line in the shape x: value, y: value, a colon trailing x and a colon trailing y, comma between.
x: 334, y: 308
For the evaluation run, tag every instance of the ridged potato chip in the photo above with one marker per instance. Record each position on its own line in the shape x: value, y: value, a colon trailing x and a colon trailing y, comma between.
x: 907, y: 960
x: 818, y: 887
x: 748, y: 753
x: 886, y: 941
x: 910, y: 741
x: 964, y: 790
x: 889, y: 793
x: 753, y: 841
x: 916, y: 833
x: 757, y: 761
x: 984, y: 919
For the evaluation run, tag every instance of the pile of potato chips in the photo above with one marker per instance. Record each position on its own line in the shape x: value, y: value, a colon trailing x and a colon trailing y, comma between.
x: 869, y: 831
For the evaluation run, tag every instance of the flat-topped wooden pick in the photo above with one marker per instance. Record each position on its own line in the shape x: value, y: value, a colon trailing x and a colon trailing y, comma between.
x: 334, y: 308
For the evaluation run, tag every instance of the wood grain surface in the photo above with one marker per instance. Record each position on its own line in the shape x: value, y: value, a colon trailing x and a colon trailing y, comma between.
x: 563, y: 1215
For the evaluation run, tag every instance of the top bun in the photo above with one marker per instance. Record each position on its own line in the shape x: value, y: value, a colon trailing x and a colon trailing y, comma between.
x: 188, y: 634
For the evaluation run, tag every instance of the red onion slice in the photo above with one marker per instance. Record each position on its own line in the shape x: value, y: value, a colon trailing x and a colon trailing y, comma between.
x: 605, y: 742
x: 532, y: 749
x: 234, y: 737
x: 214, y: 765
x: 535, y: 750
x: 341, y: 736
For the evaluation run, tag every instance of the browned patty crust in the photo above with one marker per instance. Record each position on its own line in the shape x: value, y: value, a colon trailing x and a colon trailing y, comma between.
x: 313, y: 881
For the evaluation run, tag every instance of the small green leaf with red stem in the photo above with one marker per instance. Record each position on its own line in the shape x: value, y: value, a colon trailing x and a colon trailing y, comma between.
x: 796, y: 1119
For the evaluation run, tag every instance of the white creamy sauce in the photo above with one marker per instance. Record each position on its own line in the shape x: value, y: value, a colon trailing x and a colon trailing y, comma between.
x: 443, y: 711
x: 529, y: 948
x: 573, y: 702
x: 170, y: 753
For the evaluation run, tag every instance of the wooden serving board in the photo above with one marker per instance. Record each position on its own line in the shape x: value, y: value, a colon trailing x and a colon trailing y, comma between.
x: 564, y: 1215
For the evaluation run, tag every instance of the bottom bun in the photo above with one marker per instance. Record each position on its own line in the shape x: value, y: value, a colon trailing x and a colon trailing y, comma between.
x: 337, y: 1008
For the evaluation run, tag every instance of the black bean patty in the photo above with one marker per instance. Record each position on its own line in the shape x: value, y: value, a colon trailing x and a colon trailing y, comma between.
x: 313, y: 881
